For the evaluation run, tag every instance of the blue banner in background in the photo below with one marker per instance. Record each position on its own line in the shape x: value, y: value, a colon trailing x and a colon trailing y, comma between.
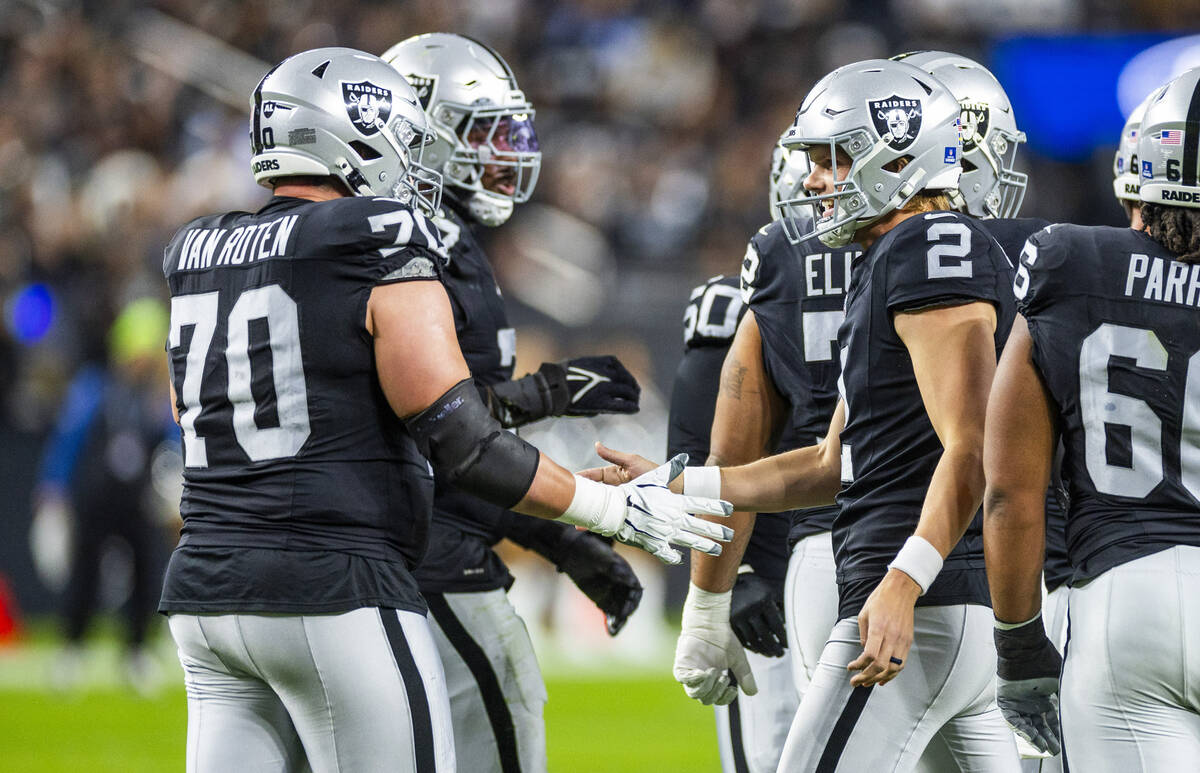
x: 1070, y: 94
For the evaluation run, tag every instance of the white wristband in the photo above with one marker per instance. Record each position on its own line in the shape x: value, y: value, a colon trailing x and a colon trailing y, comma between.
x: 596, y: 507
x: 919, y: 560
x: 1002, y: 626
x: 702, y: 482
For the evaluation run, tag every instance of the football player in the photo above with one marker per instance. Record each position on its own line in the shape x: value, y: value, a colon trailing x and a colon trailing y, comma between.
x: 1103, y: 354
x: 777, y: 392
x: 487, y: 151
x: 314, y: 371
x: 751, y: 729
x: 1126, y: 170
x: 926, y: 314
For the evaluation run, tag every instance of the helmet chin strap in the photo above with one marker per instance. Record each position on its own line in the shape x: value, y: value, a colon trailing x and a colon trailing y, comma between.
x: 490, y: 209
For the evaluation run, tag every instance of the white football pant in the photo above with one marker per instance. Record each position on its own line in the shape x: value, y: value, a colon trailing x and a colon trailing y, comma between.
x: 1131, y: 682
x: 361, y: 691
x: 497, y: 694
x: 947, y: 689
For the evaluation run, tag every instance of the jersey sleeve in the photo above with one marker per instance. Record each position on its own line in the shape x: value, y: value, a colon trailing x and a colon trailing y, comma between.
x: 761, y: 273
x: 1040, y: 270
x: 386, y: 238
x: 941, y: 259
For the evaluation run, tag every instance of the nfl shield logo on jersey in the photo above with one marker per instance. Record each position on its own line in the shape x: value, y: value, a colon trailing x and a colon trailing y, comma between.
x: 367, y: 103
x: 898, y: 121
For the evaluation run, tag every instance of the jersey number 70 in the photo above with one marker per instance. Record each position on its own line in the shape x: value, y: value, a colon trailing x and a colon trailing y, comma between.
x: 270, y: 303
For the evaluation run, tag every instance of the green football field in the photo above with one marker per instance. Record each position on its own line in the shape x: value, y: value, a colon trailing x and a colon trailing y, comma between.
x: 628, y: 723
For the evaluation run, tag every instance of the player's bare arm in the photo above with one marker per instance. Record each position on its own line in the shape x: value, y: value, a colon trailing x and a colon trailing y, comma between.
x: 953, y: 354
x: 747, y: 411
x: 1018, y: 453
x: 427, y: 383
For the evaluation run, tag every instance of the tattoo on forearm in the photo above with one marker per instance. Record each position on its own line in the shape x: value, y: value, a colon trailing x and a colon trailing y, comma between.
x: 733, y: 379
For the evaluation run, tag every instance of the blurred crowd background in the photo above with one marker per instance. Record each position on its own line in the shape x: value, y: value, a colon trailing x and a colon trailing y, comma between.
x: 122, y: 119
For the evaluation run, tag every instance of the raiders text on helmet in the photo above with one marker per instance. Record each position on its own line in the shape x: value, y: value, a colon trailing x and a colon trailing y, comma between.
x: 877, y: 112
x: 989, y: 186
x: 481, y: 119
x: 1126, y: 175
x: 1168, y: 145
x: 342, y: 113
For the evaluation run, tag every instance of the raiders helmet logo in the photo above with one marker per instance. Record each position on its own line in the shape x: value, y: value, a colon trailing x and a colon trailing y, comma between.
x: 897, y: 121
x: 424, y: 85
x: 367, y: 103
x: 974, y: 120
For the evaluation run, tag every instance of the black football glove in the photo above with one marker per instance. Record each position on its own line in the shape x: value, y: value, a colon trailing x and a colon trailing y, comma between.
x: 1027, y: 669
x: 597, y: 385
x: 756, y: 615
x: 603, y: 576
x: 584, y: 386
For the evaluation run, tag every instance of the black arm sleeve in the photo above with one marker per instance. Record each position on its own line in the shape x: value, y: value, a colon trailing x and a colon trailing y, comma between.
x: 549, y: 539
x: 468, y: 448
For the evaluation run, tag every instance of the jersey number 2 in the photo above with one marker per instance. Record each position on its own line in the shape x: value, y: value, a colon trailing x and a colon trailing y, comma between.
x: 274, y: 305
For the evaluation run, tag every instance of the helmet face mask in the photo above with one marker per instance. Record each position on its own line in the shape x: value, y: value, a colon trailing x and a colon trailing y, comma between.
x: 899, y: 128
x: 789, y: 168
x: 990, y: 185
x: 342, y: 113
x: 487, y: 148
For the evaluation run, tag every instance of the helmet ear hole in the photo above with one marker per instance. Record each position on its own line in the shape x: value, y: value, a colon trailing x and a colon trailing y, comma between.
x: 365, y: 151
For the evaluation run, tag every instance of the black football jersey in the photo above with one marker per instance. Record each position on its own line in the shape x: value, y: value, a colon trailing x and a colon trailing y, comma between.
x: 1012, y: 233
x: 710, y: 321
x: 1114, y: 322
x: 302, y: 490
x: 798, y: 294
x: 465, y: 527
x: 889, y: 447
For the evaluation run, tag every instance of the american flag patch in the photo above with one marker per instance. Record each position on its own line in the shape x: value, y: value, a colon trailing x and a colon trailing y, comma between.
x: 1171, y: 137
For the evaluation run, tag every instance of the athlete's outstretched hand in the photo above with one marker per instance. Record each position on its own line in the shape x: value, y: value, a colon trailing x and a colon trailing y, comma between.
x: 709, y: 660
x: 645, y: 513
x: 623, y: 467
x: 656, y: 518
x: 885, y: 628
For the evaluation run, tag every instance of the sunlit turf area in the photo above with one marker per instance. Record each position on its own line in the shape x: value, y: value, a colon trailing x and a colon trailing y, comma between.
x: 602, y: 718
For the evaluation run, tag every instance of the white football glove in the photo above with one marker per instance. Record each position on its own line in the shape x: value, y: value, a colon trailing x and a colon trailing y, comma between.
x: 709, y: 661
x: 646, y: 514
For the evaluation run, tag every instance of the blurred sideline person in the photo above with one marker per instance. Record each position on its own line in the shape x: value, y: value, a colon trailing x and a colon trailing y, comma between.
x: 98, y: 466
x: 317, y: 380
x: 751, y: 729
x: 927, y: 312
x: 1103, y: 354
x: 487, y: 151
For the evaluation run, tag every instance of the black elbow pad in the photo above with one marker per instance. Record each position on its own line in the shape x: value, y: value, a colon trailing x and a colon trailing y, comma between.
x: 468, y: 448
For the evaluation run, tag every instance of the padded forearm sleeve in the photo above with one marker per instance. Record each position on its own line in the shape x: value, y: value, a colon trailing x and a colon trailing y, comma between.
x: 529, y: 398
x: 549, y: 539
x: 468, y: 448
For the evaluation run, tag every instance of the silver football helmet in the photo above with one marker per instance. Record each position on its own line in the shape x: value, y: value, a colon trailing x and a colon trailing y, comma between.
x: 877, y: 112
x: 1126, y: 179
x: 989, y: 186
x: 342, y: 113
x: 1167, y: 145
x: 481, y: 117
x: 788, y: 170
